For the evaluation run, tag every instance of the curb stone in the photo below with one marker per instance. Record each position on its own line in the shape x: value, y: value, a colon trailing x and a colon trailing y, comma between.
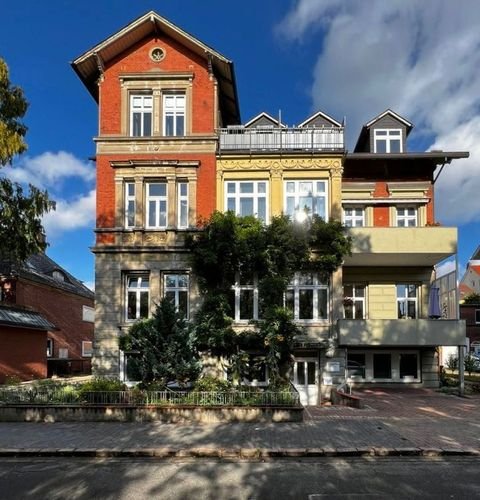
x: 237, y: 453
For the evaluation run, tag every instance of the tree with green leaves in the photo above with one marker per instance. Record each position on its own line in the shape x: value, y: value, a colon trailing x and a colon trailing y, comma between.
x: 472, y: 298
x: 162, y: 348
x: 21, y: 231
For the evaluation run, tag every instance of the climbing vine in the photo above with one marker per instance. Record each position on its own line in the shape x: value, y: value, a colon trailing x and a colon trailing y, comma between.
x: 231, y: 248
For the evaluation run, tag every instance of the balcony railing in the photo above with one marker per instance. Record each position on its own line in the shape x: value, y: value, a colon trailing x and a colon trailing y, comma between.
x: 238, y: 138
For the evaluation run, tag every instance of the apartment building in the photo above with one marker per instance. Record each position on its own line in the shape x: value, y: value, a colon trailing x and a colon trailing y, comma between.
x: 171, y: 148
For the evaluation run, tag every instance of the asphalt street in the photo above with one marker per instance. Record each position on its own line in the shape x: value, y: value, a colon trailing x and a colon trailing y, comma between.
x: 309, y: 479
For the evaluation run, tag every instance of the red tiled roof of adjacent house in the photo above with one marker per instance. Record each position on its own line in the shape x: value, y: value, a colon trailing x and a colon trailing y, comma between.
x: 464, y: 289
x: 476, y: 269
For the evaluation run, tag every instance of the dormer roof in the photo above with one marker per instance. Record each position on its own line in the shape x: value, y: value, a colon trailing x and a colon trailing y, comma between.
x: 321, y: 118
x: 364, y: 136
x: 397, y: 117
x: 89, y: 66
x: 263, y: 120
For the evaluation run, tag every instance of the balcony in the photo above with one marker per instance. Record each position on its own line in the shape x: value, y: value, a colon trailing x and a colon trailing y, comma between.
x: 400, y: 332
x: 401, y: 246
x: 238, y: 138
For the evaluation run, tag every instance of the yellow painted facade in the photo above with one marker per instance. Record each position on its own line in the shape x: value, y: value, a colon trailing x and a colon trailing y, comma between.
x: 276, y: 170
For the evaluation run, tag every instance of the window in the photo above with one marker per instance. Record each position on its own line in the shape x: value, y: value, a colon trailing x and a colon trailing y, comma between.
x: 137, y: 296
x: 477, y: 315
x: 356, y: 365
x: 407, y: 301
x: 174, y: 114
x: 129, y: 204
x: 176, y: 290
x: 408, y: 366
x: 182, y: 211
x: 49, y: 348
x: 247, y: 198
x: 87, y: 348
x: 88, y: 314
x: 305, y: 198
x: 157, y: 205
x: 307, y: 298
x: 382, y: 365
x: 354, y: 301
x: 244, y: 299
x: 406, y: 217
x: 58, y: 275
x: 141, y: 106
x: 354, y: 216
x: 388, y: 140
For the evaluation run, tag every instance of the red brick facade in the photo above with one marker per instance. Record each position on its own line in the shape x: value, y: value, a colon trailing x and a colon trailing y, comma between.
x: 22, y: 353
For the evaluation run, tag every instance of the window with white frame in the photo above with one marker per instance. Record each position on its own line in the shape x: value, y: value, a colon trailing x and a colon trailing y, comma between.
x: 307, y: 298
x: 129, y: 204
x: 141, y: 107
x: 354, y: 216
x: 387, y: 140
x: 156, y: 204
x: 182, y: 209
x: 176, y: 291
x: 49, y: 348
x: 137, y: 296
x: 354, y: 306
x: 174, y: 114
x: 306, y: 198
x: 407, y: 301
x: 477, y: 316
x: 244, y: 298
x: 247, y: 198
x: 407, y: 217
x: 87, y: 348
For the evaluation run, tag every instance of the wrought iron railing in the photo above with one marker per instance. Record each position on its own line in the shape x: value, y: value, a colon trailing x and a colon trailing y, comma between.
x: 274, y: 139
x: 67, y: 395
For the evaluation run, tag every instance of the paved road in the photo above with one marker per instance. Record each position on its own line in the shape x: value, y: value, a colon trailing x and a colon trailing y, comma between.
x: 127, y: 479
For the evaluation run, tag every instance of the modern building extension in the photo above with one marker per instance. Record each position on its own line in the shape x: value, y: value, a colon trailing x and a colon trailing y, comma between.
x: 171, y: 148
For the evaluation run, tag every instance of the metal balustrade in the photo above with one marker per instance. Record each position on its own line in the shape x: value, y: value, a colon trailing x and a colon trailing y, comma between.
x: 238, y: 138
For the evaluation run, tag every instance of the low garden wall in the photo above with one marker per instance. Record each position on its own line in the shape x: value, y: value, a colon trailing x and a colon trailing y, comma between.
x: 67, y: 404
x: 146, y: 413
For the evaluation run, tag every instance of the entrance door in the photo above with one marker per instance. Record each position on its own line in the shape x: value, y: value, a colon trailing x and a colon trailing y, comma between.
x: 305, y: 380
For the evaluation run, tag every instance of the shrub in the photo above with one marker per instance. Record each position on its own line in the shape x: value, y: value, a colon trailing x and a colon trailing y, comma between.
x: 452, y: 362
x: 12, y: 380
x: 212, y: 384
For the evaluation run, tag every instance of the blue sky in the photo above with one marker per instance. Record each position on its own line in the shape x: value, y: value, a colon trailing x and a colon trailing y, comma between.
x: 345, y: 58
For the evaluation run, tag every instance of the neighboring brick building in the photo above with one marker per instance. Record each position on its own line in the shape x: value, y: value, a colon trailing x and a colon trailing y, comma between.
x: 44, y: 288
x: 171, y: 148
x: 470, y: 284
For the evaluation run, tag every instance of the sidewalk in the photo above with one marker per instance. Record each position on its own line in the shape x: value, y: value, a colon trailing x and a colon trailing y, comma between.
x: 394, y: 422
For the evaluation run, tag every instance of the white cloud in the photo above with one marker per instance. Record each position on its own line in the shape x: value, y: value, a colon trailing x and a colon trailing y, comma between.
x: 90, y: 285
x: 49, y: 169
x: 421, y: 59
x: 72, y: 214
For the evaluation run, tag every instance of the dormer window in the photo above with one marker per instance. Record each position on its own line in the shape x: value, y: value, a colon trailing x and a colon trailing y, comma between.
x: 387, y: 140
x: 58, y: 275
